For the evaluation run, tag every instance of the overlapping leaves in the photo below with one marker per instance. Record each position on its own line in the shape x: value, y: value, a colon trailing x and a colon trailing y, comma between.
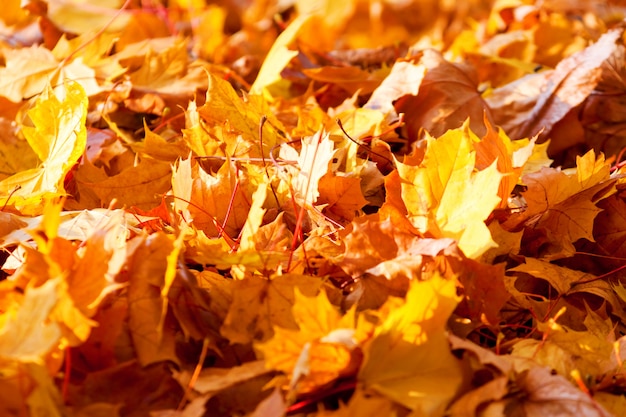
x: 376, y: 229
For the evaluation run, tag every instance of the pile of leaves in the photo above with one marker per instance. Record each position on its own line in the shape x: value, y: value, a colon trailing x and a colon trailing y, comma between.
x: 330, y: 208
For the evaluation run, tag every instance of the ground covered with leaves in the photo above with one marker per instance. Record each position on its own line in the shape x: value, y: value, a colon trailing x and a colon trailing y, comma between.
x: 325, y: 208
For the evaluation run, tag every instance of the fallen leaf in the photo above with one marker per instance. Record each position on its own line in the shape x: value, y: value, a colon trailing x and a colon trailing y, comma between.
x: 444, y: 196
x: 409, y: 359
x: 58, y: 138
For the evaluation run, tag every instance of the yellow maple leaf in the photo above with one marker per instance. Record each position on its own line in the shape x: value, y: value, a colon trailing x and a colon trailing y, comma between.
x: 567, y: 350
x: 320, y: 351
x: 277, y: 58
x: 88, y: 16
x: 409, y: 359
x: 233, y: 121
x: 58, y: 137
x: 444, y: 196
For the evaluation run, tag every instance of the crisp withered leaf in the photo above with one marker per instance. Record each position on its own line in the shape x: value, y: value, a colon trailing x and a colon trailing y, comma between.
x: 535, y: 103
x: 341, y: 197
x: 448, y: 96
x: 543, y: 393
x: 471, y: 402
x: 151, y: 332
x: 141, y: 186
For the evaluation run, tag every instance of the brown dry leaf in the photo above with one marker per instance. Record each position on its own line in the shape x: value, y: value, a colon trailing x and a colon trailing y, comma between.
x: 475, y: 400
x: 216, y: 379
x: 562, y: 204
x: 341, y: 197
x: 448, y: 96
x: 363, y: 404
x: 371, y: 241
x: 154, y: 384
x: 483, y: 290
x: 140, y: 186
x: 542, y: 393
x: 610, y: 229
x: 273, y: 405
x: 552, y: 94
x: 151, y: 331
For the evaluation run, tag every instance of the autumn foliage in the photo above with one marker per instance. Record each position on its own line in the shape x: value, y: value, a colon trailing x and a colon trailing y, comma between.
x: 325, y: 208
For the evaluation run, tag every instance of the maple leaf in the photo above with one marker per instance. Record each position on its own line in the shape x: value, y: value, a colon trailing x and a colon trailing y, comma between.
x: 313, y: 163
x: 447, y: 98
x: 341, y: 196
x: 546, y: 394
x: 278, y: 57
x: 445, y: 197
x: 21, y: 79
x: 408, y: 359
x: 167, y: 70
x: 563, y: 204
x: 319, y: 351
x: 152, y: 333
x: 140, y: 186
x: 201, y: 196
x: 405, y: 310
x: 566, y: 350
x: 234, y: 121
x: 58, y: 138
x: 261, y: 305
x: 24, y: 342
x: 538, y: 101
